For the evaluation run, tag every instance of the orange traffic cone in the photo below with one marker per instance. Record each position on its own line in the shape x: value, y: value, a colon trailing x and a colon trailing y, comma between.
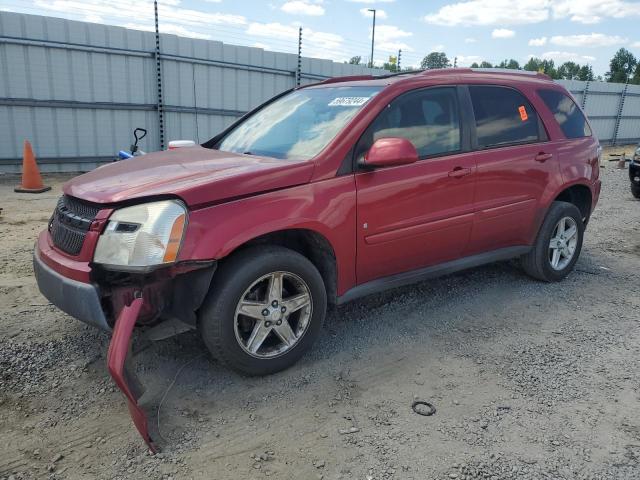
x: 31, y: 179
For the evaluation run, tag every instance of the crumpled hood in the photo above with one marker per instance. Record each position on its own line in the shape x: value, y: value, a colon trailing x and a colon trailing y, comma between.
x: 197, y: 175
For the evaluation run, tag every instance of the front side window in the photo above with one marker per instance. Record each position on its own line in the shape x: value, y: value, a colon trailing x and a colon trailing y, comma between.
x: 298, y: 125
x: 566, y: 113
x: 427, y: 118
x: 503, y: 117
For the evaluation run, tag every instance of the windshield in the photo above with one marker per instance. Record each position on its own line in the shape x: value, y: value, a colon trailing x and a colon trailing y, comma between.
x: 298, y: 125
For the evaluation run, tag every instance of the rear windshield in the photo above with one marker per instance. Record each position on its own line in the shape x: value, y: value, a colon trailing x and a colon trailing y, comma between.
x: 298, y: 125
x: 567, y: 113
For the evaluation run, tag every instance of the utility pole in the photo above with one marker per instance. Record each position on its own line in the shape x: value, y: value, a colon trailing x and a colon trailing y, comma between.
x: 373, y: 35
x: 398, y: 62
x: 160, y: 105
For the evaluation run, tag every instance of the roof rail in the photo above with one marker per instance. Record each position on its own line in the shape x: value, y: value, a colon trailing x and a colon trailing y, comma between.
x: 511, y: 71
x: 348, y: 78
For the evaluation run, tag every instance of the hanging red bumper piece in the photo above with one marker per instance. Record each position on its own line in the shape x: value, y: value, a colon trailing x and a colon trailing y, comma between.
x: 124, y: 377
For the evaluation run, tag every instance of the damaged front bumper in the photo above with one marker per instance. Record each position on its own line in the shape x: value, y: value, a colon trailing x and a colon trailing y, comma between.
x: 165, y: 302
x: 120, y: 369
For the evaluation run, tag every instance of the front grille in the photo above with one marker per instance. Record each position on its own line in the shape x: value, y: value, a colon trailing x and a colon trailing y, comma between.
x: 70, y: 222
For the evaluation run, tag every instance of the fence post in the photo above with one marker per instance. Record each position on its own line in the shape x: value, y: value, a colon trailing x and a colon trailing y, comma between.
x: 584, y: 96
x: 299, y: 69
x: 619, y: 116
x: 160, y: 105
x: 398, y: 68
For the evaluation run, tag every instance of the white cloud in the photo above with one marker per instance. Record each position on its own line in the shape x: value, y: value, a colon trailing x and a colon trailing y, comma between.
x: 538, y: 42
x: 389, y: 38
x: 502, y: 33
x: 380, y: 14
x: 261, y: 45
x: 508, y: 12
x: 470, y: 40
x: 372, y: 1
x: 635, y: 45
x: 437, y: 48
x: 467, y: 60
x: 561, y: 57
x: 591, y: 40
x: 142, y: 11
x: 490, y: 12
x: 303, y: 7
x: 593, y: 11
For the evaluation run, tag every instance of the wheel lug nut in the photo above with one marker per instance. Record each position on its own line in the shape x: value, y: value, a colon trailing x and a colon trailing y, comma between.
x: 283, y: 309
x: 267, y: 323
x: 279, y: 322
x: 274, y: 304
x: 265, y: 312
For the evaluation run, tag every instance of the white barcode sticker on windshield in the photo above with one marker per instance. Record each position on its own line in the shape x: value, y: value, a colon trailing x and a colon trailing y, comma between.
x: 348, y: 101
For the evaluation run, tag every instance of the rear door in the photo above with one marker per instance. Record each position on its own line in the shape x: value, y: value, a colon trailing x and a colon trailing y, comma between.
x: 515, y: 164
x: 416, y: 215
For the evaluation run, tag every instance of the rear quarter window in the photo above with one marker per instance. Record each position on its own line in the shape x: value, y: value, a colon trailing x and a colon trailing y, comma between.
x: 566, y: 112
x: 503, y: 117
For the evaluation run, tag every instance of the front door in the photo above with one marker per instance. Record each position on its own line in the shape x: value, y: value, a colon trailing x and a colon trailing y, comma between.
x: 416, y: 215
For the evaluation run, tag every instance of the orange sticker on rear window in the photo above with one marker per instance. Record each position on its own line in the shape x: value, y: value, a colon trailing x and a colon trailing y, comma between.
x: 523, y: 113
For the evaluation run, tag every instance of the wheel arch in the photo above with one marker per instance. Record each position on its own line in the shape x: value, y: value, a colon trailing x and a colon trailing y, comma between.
x: 579, y: 195
x: 311, y: 244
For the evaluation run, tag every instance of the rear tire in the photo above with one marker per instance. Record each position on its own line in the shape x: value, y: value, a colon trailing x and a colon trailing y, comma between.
x: 265, y: 309
x: 558, y: 245
x: 635, y: 191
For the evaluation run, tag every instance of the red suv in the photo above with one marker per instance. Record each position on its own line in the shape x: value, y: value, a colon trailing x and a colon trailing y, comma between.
x: 321, y: 195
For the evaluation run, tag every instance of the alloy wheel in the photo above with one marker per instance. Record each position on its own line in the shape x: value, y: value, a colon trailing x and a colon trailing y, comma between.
x: 273, y: 314
x: 562, y: 246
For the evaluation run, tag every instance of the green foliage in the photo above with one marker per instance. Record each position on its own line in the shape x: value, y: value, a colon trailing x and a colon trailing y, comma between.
x: 622, y: 67
x: 435, y: 60
x: 510, y: 64
x: 355, y: 60
x: 485, y: 64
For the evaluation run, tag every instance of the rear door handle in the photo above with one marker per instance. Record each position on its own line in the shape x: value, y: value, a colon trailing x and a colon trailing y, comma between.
x: 459, y: 172
x: 543, y: 157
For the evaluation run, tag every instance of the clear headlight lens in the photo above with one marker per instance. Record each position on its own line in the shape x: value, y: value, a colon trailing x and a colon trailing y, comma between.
x: 143, y: 235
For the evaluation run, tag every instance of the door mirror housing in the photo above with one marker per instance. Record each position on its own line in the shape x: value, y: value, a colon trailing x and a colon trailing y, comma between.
x: 390, y: 152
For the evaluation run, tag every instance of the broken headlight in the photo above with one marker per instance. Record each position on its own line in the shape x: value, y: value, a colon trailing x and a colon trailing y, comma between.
x: 143, y: 235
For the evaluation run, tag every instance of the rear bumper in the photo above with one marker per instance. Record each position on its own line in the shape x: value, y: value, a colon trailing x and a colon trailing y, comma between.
x: 78, y: 299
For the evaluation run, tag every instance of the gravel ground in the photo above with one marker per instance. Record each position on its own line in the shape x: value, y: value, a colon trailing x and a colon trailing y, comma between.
x: 530, y: 380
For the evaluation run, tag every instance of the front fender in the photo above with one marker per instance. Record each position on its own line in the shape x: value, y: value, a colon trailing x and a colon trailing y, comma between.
x: 327, y: 207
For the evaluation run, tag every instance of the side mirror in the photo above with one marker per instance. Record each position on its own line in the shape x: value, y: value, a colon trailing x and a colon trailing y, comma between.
x: 390, y: 152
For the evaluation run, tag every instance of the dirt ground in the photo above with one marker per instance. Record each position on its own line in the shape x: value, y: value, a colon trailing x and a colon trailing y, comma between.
x: 530, y: 380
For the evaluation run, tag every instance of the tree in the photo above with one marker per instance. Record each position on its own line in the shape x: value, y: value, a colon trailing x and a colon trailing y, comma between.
x: 585, y: 73
x: 355, y: 60
x: 621, y: 66
x: 485, y: 64
x: 392, y: 64
x: 435, y: 60
x: 475, y: 65
x: 510, y: 64
x: 568, y: 70
x: 542, y: 65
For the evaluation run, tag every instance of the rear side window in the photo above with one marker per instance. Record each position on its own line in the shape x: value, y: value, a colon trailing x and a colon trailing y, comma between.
x: 427, y: 118
x: 566, y: 113
x: 503, y: 117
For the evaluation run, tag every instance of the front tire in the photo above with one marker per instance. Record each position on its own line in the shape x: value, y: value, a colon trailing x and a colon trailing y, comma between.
x: 558, y: 244
x: 635, y: 191
x: 265, y: 309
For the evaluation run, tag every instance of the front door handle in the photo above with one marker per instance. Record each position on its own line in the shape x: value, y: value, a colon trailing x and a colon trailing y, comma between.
x: 459, y: 172
x: 543, y: 157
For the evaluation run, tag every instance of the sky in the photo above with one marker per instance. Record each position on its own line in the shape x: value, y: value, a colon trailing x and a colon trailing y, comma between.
x: 583, y: 31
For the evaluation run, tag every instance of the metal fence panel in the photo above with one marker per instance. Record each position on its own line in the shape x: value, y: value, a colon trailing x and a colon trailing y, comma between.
x: 77, y: 90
